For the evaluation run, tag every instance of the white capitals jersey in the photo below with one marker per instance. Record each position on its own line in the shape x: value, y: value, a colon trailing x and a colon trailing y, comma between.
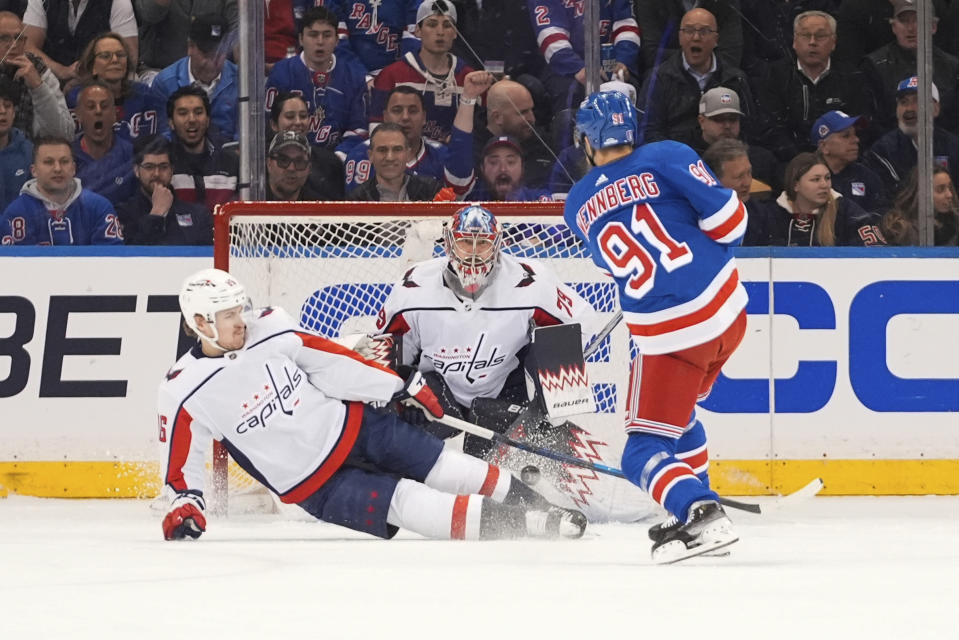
x: 473, y: 344
x: 281, y: 405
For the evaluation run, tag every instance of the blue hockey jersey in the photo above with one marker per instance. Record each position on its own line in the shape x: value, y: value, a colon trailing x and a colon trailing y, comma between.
x: 142, y: 113
x: 86, y: 218
x: 559, y: 32
x: 377, y: 32
x: 451, y: 164
x: 335, y: 99
x: 658, y: 222
x: 112, y: 175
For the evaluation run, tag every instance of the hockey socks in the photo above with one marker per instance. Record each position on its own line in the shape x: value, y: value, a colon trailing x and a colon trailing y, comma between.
x: 649, y: 462
x: 691, y: 449
x: 455, y: 472
x: 444, y: 516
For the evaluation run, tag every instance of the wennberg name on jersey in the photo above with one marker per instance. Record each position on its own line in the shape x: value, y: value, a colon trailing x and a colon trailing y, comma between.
x: 659, y: 222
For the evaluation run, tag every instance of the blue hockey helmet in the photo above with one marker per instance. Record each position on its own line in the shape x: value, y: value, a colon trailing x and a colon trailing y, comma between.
x: 606, y: 119
x: 473, y: 240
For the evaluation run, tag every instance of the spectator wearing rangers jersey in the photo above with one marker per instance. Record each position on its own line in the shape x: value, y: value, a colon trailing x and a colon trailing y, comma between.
x: 809, y: 213
x: 836, y: 138
x: 464, y: 318
x: 204, y: 169
x: 559, y: 33
x: 140, y: 109
x: 501, y: 174
x: 638, y: 210
x: 293, y: 410
x: 154, y: 215
x: 104, y: 160
x: 289, y: 113
x: 334, y: 87
x: 433, y: 71
x: 671, y: 93
x: 206, y: 66
x: 450, y: 163
x: 377, y: 32
x: 42, y: 109
x: 390, y: 156
x: 53, y: 207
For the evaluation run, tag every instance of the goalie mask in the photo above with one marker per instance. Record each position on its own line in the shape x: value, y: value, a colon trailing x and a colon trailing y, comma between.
x: 206, y: 292
x: 472, y: 240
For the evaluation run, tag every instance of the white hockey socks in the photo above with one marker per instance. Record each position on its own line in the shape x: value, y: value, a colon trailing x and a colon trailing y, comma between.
x: 434, y: 514
x: 456, y: 472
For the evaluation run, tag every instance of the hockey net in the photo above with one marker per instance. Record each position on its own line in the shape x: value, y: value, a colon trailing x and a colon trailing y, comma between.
x: 331, y: 265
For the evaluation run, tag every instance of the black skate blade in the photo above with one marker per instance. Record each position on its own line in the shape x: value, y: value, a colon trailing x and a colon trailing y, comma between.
x: 698, y: 551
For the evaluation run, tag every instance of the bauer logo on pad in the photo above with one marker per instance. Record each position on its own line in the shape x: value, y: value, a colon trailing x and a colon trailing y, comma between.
x: 558, y: 371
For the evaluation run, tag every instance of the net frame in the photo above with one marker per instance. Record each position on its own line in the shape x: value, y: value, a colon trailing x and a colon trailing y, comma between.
x: 234, y: 215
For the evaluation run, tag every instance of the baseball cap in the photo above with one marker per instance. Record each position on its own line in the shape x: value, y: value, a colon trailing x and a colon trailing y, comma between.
x: 911, y: 85
x: 719, y: 100
x: 207, y: 31
x: 902, y: 6
x: 829, y: 123
x: 289, y: 138
x: 502, y: 141
x: 429, y: 7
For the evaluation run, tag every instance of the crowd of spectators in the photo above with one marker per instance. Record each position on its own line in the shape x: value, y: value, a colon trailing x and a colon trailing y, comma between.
x: 118, y: 118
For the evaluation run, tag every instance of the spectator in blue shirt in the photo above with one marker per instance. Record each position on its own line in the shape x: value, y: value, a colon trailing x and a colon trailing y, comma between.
x: 15, y: 148
x: 104, y: 160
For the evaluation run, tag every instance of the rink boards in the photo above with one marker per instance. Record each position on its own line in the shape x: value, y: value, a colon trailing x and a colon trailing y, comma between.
x: 849, y: 371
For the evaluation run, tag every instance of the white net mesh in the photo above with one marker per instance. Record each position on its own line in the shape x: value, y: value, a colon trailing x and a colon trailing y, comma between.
x: 333, y: 273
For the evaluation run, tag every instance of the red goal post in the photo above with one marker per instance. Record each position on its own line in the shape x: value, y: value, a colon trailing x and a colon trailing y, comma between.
x: 331, y: 265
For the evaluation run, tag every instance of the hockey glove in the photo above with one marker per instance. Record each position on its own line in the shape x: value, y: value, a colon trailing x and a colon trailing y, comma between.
x: 416, y: 393
x: 185, y: 518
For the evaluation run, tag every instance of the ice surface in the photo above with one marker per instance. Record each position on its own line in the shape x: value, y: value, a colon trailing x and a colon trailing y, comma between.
x: 826, y: 568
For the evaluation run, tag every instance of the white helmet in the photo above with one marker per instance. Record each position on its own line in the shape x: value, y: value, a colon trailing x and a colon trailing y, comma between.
x: 473, y: 240
x: 206, y: 292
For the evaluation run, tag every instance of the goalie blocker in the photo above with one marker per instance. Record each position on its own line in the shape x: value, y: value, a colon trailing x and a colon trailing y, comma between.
x: 557, y: 370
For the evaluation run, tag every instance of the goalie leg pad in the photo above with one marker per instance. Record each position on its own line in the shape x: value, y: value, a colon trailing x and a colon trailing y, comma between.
x: 455, y: 472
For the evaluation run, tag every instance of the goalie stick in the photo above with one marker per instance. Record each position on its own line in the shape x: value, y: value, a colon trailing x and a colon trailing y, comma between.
x: 499, y: 438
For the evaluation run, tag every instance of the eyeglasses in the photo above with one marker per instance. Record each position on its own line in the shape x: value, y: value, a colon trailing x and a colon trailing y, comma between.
x: 284, y: 161
x: 7, y: 39
x: 819, y: 36
x: 702, y: 32
x: 106, y: 56
x: 149, y: 167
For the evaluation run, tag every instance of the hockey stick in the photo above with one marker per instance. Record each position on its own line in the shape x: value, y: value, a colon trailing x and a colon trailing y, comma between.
x: 602, y: 335
x: 499, y: 438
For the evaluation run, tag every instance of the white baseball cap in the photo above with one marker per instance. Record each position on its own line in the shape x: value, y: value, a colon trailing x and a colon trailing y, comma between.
x: 440, y: 7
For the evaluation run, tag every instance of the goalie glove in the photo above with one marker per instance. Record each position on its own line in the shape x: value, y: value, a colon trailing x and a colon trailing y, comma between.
x: 416, y: 393
x: 185, y: 517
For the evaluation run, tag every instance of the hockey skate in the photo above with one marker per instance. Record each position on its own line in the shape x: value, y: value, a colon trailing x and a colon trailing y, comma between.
x: 707, y: 530
x: 660, y: 531
x: 556, y: 522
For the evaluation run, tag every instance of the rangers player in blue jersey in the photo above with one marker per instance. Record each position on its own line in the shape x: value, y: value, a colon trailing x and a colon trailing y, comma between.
x: 657, y: 220
x: 334, y: 87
